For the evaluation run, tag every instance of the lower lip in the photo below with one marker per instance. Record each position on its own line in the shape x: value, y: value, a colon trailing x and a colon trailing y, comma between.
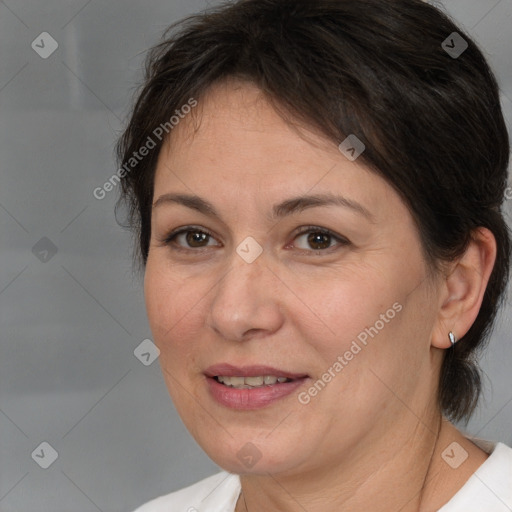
x: 248, y: 399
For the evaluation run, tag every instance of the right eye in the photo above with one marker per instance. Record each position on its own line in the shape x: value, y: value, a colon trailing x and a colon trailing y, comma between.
x: 193, y: 237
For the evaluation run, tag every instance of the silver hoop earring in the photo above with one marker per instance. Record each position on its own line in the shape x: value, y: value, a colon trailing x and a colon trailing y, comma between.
x: 452, y: 338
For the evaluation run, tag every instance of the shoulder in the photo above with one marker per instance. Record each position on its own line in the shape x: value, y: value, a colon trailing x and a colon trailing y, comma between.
x: 489, y: 489
x: 216, y: 493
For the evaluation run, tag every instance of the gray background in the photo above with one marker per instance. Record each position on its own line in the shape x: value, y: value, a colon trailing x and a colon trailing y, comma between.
x: 70, y: 324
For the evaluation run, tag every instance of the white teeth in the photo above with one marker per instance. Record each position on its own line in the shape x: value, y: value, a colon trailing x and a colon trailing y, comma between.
x: 236, y: 381
x: 254, y: 381
x: 251, y: 382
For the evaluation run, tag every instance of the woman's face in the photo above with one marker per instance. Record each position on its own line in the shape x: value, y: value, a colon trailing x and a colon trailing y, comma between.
x: 334, y: 296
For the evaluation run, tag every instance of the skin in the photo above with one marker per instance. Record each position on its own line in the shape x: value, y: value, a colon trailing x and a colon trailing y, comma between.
x: 372, y: 438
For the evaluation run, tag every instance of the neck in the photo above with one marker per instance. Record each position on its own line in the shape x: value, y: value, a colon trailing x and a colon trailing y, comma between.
x: 402, y: 471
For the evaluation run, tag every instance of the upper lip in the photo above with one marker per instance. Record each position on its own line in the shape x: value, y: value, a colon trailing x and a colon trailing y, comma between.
x: 228, y: 370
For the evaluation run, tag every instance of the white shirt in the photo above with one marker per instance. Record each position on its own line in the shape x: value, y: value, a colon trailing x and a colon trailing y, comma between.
x: 489, y: 489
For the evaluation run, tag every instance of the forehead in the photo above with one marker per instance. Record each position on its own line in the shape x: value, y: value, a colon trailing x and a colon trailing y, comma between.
x: 235, y: 118
x: 235, y: 140
x: 235, y: 127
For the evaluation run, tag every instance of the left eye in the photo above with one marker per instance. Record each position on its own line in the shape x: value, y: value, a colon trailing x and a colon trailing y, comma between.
x: 318, y: 239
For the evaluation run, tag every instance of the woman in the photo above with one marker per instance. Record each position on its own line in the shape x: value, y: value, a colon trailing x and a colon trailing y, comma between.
x: 316, y: 191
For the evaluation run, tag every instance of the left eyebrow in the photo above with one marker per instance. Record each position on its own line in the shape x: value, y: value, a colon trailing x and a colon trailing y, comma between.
x: 285, y: 208
x: 301, y: 203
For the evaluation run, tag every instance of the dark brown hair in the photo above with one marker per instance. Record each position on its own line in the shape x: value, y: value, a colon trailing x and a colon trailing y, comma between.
x: 431, y: 122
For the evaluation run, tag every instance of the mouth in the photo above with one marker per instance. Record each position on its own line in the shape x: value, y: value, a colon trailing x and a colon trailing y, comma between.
x: 251, y: 387
x: 250, y: 382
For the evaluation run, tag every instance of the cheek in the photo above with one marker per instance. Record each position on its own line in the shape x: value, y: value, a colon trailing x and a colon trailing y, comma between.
x: 384, y: 352
x: 339, y: 309
x: 175, y: 307
x: 159, y: 301
x: 360, y: 328
x: 164, y: 300
x: 170, y: 313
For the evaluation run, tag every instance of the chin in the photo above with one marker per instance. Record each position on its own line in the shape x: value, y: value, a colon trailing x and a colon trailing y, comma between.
x: 242, y: 454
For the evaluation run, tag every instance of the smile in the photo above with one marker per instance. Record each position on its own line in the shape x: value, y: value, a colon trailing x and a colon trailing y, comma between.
x: 250, y: 387
x: 250, y: 382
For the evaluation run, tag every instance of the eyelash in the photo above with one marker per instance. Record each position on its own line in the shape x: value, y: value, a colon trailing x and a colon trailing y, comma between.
x: 169, y: 239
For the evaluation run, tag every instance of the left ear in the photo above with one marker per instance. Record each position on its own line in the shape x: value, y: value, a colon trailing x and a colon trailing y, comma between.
x: 463, y: 288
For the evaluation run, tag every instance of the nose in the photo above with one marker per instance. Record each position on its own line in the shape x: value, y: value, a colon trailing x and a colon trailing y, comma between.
x: 247, y: 301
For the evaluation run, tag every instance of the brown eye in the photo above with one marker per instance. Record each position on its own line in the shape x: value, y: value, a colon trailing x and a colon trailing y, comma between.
x: 189, y: 238
x: 317, y: 239
x: 195, y: 238
x: 320, y: 239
